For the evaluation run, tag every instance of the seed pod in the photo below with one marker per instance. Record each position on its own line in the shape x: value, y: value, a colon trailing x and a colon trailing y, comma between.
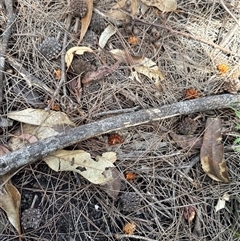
x: 97, y: 23
x: 155, y: 33
x: 50, y: 48
x: 232, y: 85
x: 78, y: 8
x: 31, y: 218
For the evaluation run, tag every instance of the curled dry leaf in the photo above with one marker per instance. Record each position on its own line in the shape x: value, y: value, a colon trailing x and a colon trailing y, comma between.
x: 162, y: 5
x: 212, y: 154
x: 40, y: 117
x: 100, y: 73
x: 75, y: 50
x: 10, y: 201
x: 97, y: 171
x: 40, y: 125
x: 222, y: 201
x: 129, y: 228
x: 86, y: 20
x: 142, y: 65
x: 116, y: 14
x: 108, y: 32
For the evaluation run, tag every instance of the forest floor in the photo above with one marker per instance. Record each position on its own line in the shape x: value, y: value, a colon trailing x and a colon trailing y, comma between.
x: 166, y: 194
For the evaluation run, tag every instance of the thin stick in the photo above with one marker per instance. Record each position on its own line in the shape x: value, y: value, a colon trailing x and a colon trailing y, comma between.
x: 5, y: 38
x: 29, y: 78
x: 120, y: 236
x: 34, y: 151
x: 63, y: 67
x: 178, y: 33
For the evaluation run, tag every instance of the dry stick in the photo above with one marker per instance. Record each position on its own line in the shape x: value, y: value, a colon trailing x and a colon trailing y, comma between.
x: 5, y: 38
x: 29, y: 78
x: 120, y: 236
x: 63, y: 67
x: 32, y: 152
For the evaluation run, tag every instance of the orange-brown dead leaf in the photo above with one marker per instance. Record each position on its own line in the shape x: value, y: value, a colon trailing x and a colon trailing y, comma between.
x: 129, y: 228
x: 100, y: 73
x: 115, y: 139
x: 130, y: 176
x: 86, y: 20
x: 191, y: 94
x: 212, y: 153
x: 10, y: 201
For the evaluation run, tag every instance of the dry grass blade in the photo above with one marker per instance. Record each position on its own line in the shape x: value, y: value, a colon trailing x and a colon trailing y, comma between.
x: 86, y: 20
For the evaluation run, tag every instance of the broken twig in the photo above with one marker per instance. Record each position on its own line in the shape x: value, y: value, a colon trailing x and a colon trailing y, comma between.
x: 5, y: 38
x: 34, y: 151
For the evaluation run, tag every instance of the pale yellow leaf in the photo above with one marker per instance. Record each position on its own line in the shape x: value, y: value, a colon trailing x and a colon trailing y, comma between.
x: 142, y: 65
x: 222, y: 201
x: 108, y: 32
x: 162, y: 5
x: 116, y: 14
x: 96, y: 171
x: 41, y: 117
x: 150, y: 69
x: 86, y: 20
x: 75, y: 50
x: 10, y: 200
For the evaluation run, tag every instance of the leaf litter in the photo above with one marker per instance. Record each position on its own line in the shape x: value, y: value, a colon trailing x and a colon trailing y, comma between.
x: 147, y: 156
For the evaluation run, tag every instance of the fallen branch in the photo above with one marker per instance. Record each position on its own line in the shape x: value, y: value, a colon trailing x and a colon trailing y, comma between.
x: 34, y: 151
x: 4, y: 43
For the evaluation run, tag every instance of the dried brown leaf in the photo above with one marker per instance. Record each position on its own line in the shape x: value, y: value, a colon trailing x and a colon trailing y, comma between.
x: 10, y: 201
x: 75, y: 50
x: 86, y: 20
x: 162, y: 5
x: 212, y: 152
x: 116, y: 13
x: 142, y: 65
x: 97, y: 171
x: 108, y: 32
x: 100, y: 73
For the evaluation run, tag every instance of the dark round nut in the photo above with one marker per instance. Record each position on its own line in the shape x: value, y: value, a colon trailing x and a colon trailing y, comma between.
x: 50, y: 48
x: 78, y: 8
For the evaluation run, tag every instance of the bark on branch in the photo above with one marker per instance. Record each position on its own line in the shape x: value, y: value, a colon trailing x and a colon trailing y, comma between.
x: 4, y: 43
x: 32, y: 152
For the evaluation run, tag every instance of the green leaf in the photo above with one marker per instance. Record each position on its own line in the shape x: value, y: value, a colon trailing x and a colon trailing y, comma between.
x: 237, y: 113
x: 237, y: 149
x: 236, y: 141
